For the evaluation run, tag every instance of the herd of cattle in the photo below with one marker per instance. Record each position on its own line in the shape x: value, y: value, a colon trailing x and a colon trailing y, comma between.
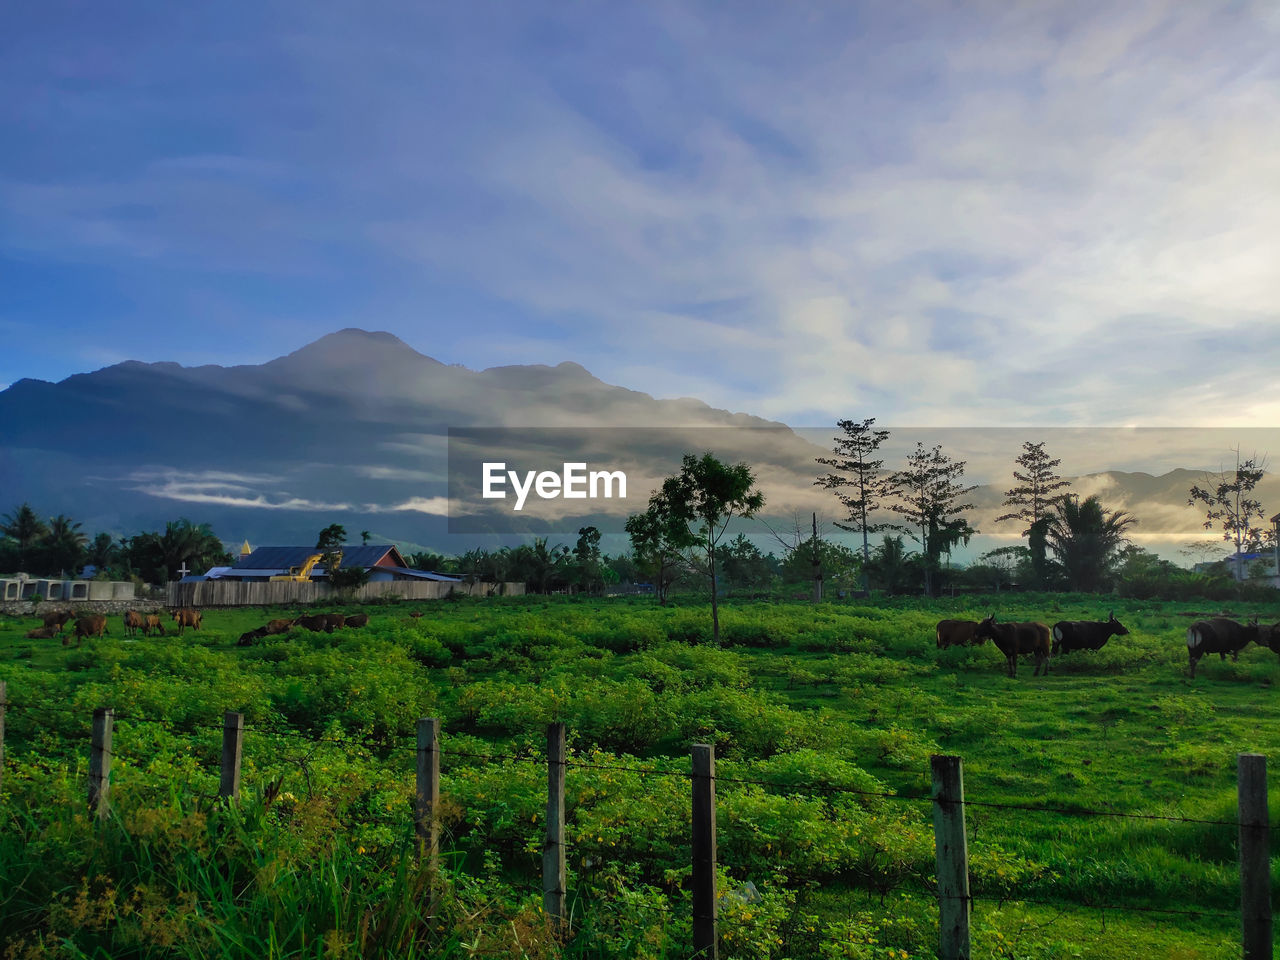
x: 1204, y: 637
x: 1217, y: 635
x: 95, y: 625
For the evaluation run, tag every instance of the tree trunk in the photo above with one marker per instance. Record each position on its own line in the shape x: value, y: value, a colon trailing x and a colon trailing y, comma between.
x: 715, y: 606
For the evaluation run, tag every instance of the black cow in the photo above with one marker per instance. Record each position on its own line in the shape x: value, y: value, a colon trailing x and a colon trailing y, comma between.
x: 1220, y: 636
x: 1013, y: 639
x: 247, y: 638
x: 1071, y: 635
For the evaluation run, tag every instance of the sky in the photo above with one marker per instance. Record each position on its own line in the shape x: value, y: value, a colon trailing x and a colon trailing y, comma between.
x: 979, y: 214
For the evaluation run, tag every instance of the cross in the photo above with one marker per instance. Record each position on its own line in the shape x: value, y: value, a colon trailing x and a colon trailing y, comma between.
x: 182, y: 570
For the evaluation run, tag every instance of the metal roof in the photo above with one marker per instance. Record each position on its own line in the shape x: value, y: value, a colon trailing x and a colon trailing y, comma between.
x: 422, y: 574
x: 279, y: 559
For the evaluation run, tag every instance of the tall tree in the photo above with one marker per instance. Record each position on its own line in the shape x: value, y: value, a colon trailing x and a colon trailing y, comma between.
x: 658, y: 540
x: 858, y: 484
x: 1227, y: 499
x: 706, y: 495
x: 1034, y: 496
x: 930, y: 494
x: 587, y: 565
x: 25, y: 527
x: 1084, y: 536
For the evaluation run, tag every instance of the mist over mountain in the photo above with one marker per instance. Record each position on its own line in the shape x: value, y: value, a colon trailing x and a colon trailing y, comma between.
x: 353, y: 429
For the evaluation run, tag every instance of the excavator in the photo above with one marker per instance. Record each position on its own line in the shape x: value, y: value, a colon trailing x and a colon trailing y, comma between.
x: 299, y: 574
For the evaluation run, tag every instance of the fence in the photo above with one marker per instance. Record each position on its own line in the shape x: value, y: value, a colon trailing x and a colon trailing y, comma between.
x: 238, y: 593
x: 951, y: 887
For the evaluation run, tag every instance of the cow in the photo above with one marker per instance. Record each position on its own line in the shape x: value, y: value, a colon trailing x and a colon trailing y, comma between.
x: 1071, y: 635
x: 1014, y: 639
x: 248, y: 637
x: 133, y: 622
x: 336, y: 621
x: 358, y: 620
x: 42, y: 633
x: 152, y: 624
x: 187, y: 617
x: 314, y: 623
x: 89, y: 625
x: 1220, y: 636
x: 278, y: 626
x: 57, y: 619
x: 957, y: 633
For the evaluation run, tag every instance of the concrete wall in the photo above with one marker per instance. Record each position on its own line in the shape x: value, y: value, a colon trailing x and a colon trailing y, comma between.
x: 57, y: 591
x: 233, y: 593
x: 21, y: 609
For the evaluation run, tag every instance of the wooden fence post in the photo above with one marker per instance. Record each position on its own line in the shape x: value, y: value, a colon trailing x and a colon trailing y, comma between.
x: 1255, y: 855
x: 553, y: 852
x: 100, y: 761
x: 424, y: 818
x: 952, y: 849
x: 232, y: 745
x: 706, y: 941
x: 4, y: 702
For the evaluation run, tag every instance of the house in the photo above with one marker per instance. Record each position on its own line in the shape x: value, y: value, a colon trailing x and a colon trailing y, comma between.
x: 383, y: 561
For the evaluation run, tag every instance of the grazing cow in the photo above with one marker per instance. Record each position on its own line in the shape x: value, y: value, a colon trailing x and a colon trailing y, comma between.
x: 358, y: 620
x: 1014, y: 639
x: 133, y: 622
x: 278, y: 626
x: 250, y: 636
x: 416, y: 614
x: 152, y: 624
x: 336, y: 621
x: 57, y: 619
x: 89, y: 625
x: 1220, y: 636
x: 957, y: 633
x: 187, y: 617
x: 1071, y: 635
x: 315, y: 623
x: 42, y: 633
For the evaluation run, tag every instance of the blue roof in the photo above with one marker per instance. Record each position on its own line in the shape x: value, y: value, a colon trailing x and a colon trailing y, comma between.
x: 422, y: 574
x: 282, y: 558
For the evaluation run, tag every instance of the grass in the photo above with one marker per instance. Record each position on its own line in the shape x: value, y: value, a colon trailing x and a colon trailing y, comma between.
x: 844, y: 695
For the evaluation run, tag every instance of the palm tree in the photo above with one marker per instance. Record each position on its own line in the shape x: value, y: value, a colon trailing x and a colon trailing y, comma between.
x: 1083, y: 537
x: 64, y: 543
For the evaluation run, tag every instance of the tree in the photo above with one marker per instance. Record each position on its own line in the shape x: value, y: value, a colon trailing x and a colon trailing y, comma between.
x: 658, y: 540
x: 329, y: 542
x: 541, y: 566
x: 102, y: 551
x: 157, y: 556
x: 1083, y: 537
x: 63, y: 544
x: 929, y: 492
x: 25, y: 527
x: 364, y: 537
x: 1035, y: 496
x: 588, y: 569
x: 743, y: 565
x: 1227, y: 501
x: 858, y: 485
x: 890, y: 567
x: 706, y: 495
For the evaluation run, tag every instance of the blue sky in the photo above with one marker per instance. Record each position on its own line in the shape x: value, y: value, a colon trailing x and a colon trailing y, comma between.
x: 951, y: 214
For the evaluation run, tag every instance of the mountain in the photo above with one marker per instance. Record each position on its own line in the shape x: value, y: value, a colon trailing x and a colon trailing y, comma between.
x: 355, y: 428
x: 351, y: 428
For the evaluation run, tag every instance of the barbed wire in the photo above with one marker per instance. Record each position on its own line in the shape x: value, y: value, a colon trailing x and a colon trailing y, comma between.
x: 813, y: 790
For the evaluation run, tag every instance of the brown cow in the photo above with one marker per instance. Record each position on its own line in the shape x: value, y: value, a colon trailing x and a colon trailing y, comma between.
x: 152, y: 624
x: 89, y: 625
x: 133, y: 622
x: 358, y: 620
x: 314, y: 623
x: 278, y: 626
x: 957, y: 633
x: 41, y: 633
x: 336, y: 621
x: 57, y: 619
x: 1013, y: 639
x: 187, y: 617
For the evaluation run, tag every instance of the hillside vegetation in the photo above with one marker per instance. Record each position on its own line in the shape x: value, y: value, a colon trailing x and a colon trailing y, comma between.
x: 832, y: 712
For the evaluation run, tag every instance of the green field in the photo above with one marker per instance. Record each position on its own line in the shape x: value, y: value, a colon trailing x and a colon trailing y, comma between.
x: 829, y: 706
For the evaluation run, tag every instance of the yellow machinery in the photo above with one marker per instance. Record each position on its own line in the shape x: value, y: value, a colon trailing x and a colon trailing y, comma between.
x: 300, y: 574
